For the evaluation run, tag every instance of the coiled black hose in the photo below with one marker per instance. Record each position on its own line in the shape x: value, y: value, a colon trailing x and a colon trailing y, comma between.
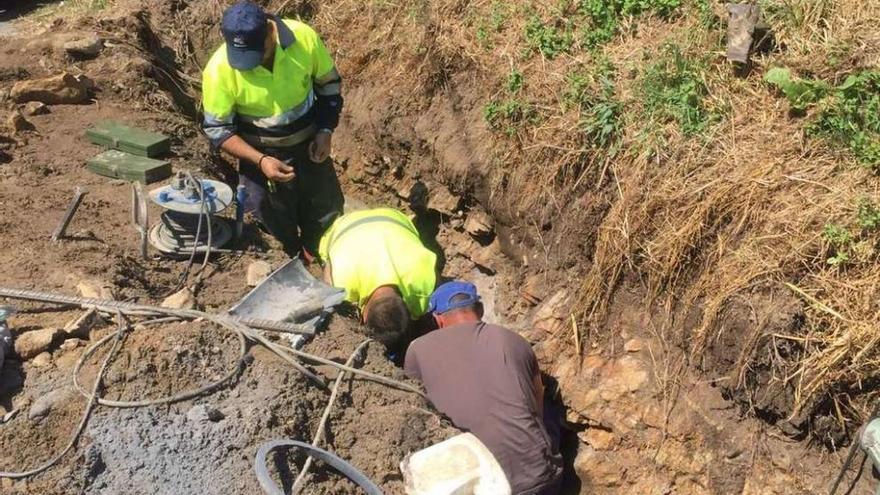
x: 342, y: 466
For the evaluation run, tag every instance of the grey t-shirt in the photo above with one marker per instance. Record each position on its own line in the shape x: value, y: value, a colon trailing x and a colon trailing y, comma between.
x: 482, y: 377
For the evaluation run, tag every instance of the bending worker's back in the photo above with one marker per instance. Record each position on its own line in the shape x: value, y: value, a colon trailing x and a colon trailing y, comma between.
x: 378, y: 258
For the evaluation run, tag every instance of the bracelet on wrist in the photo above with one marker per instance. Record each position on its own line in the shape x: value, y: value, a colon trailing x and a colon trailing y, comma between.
x: 260, y: 162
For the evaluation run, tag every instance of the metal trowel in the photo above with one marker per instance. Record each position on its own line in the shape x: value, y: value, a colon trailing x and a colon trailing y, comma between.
x: 290, y: 294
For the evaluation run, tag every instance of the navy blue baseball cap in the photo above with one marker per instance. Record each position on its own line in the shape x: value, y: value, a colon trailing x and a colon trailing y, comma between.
x: 441, y: 299
x: 244, y: 27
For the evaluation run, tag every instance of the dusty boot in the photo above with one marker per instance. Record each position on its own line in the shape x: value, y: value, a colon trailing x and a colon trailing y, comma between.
x: 740, y: 30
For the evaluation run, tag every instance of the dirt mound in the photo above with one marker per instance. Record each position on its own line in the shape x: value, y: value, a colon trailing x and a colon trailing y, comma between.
x: 208, y: 444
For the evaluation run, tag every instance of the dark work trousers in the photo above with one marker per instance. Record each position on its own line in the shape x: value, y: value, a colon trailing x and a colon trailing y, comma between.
x: 297, y: 212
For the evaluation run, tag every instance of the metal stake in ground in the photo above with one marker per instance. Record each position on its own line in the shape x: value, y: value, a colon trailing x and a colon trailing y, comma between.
x: 78, y: 195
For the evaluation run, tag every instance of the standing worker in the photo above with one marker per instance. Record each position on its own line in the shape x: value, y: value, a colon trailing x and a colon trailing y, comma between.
x: 378, y: 257
x: 486, y: 379
x: 271, y: 98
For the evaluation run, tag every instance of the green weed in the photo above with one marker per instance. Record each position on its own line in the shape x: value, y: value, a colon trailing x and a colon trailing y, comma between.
x: 604, y: 16
x: 868, y: 215
x: 549, y: 40
x: 846, y: 246
x: 673, y: 89
x: 508, y: 115
x: 841, y: 241
x: 514, y: 82
x: 600, y: 111
x: 495, y: 22
x: 851, y: 117
x: 801, y: 93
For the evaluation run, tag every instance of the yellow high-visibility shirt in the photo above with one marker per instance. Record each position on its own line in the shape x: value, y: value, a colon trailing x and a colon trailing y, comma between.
x: 278, y: 107
x: 371, y: 248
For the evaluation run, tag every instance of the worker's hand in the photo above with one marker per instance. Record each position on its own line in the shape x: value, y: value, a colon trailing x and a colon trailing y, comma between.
x: 319, y: 149
x: 275, y: 169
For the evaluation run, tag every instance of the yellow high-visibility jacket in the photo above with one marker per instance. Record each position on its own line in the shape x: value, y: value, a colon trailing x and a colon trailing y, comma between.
x: 371, y: 248
x: 278, y: 108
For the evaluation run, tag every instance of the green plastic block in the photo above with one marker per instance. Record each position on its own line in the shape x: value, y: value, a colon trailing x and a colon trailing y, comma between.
x: 132, y: 140
x: 122, y: 165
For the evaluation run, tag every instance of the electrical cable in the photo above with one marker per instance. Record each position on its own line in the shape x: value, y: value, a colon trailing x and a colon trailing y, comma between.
x: 322, y: 424
x: 222, y: 320
x: 203, y: 216
x: 342, y: 466
x: 90, y: 406
x: 165, y: 400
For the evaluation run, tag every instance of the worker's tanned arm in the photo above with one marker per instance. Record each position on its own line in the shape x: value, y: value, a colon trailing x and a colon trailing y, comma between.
x: 271, y: 167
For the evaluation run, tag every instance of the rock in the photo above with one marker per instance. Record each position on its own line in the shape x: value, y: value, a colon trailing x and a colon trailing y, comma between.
x: 35, y: 108
x: 8, y: 415
x: 624, y: 376
x: 533, y: 289
x: 488, y: 257
x: 554, y: 312
x: 441, y: 199
x: 257, y: 271
x: 71, y: 344
x: 479, y: 224
x: 633, y: 345
x: 86, y: 47
x: 17, y: 123
x: 598, y: 438
x: 599, y: 469
x: 682, y: 457
x: 80, y: 326
x: 29, y: 344
x: 89, y: 288
x: 182, y: 299
x: 64, y: 88
x: 202, y: 413
x: 45, y: 403
x: 42, y: 360
x: 95, y: 289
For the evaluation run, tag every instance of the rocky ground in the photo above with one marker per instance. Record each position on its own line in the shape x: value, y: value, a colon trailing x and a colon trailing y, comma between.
x: 639, y: 420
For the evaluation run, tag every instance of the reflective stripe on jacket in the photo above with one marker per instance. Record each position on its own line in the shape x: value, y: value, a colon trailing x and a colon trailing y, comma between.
x: 371, y: 248
x: 277, y: 108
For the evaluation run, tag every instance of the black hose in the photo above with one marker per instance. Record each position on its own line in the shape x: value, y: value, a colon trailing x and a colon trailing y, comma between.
x: 342, y: 466
x: 852, y: 453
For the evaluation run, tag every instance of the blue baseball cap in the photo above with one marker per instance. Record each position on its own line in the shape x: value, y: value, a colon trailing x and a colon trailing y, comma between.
x: 441, y: 299
x: 244, y: 27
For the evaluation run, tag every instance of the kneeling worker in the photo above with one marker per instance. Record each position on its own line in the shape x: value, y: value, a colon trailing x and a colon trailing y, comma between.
x: 378, y: 257
x: 486, y: 379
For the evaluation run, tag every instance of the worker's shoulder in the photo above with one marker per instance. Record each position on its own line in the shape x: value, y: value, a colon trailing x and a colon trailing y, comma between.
x: 507, y: 337
x: 301, y: 31
x: 217, y: 64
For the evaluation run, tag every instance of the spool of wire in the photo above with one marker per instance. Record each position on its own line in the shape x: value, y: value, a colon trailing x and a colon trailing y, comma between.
x: 189, y: 223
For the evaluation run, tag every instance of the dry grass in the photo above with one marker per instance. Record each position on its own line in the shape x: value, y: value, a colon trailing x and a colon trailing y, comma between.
x: 707, y: 218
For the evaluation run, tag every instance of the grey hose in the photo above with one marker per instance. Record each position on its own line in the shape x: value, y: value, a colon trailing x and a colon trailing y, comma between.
x: 145, y: 310
x: 165, y: 400
x: 222, y: 320
x: 342, y: 466
x: 93, y: 400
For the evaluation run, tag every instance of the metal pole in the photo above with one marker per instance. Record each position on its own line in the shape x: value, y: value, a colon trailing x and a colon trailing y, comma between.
x: 78, y: 195
x: 143, y: 309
